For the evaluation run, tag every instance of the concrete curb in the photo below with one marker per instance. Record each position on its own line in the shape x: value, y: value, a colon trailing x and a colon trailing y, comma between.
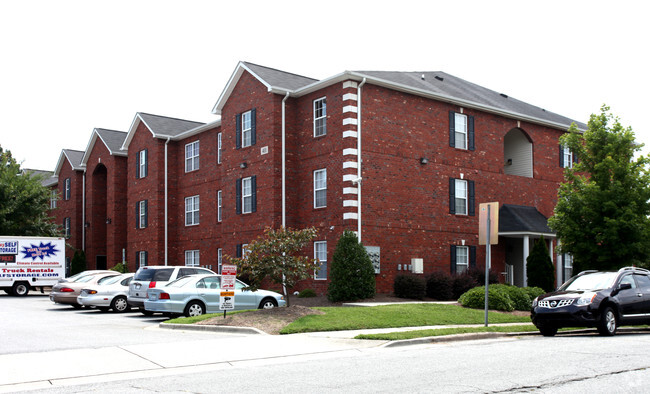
x: 212, y: 328
x: 456, y: 338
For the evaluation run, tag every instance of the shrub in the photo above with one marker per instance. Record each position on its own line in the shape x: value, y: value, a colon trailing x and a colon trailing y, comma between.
x: 462, y: 283
x: 497, y: 299
x: 540, y: 267
x: 479, y: 276
x: 519, y: 297
x: 78, y: 262
x: 409, y: 286
x: 534, y: 292
x: 121, y: 267
x: 352, y: 274
x: 307, y: 293
x: 440, y: 286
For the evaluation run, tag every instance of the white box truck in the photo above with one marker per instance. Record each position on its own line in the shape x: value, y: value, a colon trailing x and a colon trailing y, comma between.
x: 30, y: 262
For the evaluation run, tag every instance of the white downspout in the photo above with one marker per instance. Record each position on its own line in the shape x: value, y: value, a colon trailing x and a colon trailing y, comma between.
x: 284, y: 165
x: 166, y: 201
x: 359, y: 158
x: 83, y: 212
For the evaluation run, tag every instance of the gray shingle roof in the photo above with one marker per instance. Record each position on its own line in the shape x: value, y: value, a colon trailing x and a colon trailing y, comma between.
x: 74, y: 156
x: 458, y: 88
x: 280, y: 79
x: 162, y: 125
x: 519, y: 218
x: 112, y: 138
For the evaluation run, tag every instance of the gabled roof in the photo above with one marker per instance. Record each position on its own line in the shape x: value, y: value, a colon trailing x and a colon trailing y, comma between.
x: 519, y: 219
x: 436, y: 85
x: 47, y: 177
x: 73, y: 157
x: 112, y: 139
x: 164, y: 127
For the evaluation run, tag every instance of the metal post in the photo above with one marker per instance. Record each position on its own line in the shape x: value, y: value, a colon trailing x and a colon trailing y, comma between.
x: 487, y: 263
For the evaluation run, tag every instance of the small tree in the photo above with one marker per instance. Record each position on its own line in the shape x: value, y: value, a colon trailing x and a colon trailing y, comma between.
x: 539, y: 267
x: 78, y: 262
x: 352, y: 275
x: 276, y: 255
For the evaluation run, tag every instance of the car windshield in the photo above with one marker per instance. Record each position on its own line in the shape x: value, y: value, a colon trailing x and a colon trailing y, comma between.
x: 594, y: 281
x: 180, y: 282
x: 84, y: 279
x: 154, y: 274
x: 109, y: 280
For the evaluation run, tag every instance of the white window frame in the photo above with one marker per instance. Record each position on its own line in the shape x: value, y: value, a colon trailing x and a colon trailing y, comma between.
x: 67, y: 184
x: 67, y: 227
x: 568, y: 157
x: 192, y: 213
x: 143, y: 164
x: 320, y: 188
x: 246, y: 129
x: 219, y: 206
x: 320, y: 117
x: 142, y: 259
x: 320, y: 255
x: 247, y: 194
x: 53, y: 198
x: 460, y: 131
x: 219, y: 260
x: 568, y: 266
x: 244, y: 250
x: 460, y: 196
x: 142, y: 214
x: 462, y: 259
x: 218, y: 148
x: 192, y: 156
x: 192, y: 258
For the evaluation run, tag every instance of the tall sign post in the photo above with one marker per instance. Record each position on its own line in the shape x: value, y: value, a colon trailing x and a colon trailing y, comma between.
x: 227, y: 297
x: 488, y: 234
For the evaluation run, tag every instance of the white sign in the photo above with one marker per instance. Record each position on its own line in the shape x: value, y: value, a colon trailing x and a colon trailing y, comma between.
x: 228, y: 274
x: 227, y: 300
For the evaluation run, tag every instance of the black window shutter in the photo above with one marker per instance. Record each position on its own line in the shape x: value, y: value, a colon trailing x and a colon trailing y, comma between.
x: 137, y: 214
x: 239, y: 250
x: 470, y: 132
x: 146, y: 162
x: 254, y: 193
x: 146, y: 258
x: 238, y: 131
x: 452, y: 129
x: 470, y: 198
x: 452, y: 259
x: 146, y: 213
x: 253, y: 127
x: 137, y: 260
x: 472, y: 257
x: 238, y: 196
x: 137, y: 166
x: 563, y: 268
x: 561, y: 156
x: 452, y: 195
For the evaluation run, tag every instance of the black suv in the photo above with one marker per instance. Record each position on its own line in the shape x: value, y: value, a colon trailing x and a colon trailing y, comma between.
x: 604, y: 300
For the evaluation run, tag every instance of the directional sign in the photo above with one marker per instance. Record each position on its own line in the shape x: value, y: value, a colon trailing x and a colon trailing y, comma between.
x: 227, y: 300
x: 228, y: 274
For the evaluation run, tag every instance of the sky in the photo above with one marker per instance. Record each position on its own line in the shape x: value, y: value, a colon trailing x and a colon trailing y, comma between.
x: 67, y: 67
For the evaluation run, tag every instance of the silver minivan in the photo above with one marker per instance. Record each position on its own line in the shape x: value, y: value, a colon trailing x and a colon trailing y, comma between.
x: 153, y: 276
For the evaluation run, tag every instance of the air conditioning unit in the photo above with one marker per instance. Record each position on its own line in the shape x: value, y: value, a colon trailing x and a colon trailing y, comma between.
x: 417, y: 266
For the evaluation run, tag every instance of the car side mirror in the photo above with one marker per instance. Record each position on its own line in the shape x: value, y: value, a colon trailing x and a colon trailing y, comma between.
x: 624, y: 286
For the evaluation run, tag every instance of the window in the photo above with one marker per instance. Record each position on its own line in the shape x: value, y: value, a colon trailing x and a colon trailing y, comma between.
x: 246, y: 195
x: 66, y: 189
x: 566, y: 157
x: 245, y: 129
x: 461, y: 197
x: 320, y: 255
x: 219, y: 206
x: 66, y: 227
x: 141, y: 214
x: 461, y: 131
x: 141, y: 164
x: 142, y: 258
x: 320, y: 188
x: 320, y: 117
x: 53, y: 198
x: 192, y: 156
x: 219, y: 148
x: 192, y: 211
x: 567, y: 265
x: 242, y: 250
x: 219, y: 260
x: 462, y: 258
x: 192, y: 258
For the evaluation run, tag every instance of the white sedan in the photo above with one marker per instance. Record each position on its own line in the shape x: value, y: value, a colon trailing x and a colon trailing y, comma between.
x: 195, y: 295
x: 110, y: 294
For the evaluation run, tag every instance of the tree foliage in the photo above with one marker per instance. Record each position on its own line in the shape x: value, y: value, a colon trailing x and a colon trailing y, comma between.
x: 24, y: 202
x: 602, y: 214
x: 352, y: 276
x: 277, y: 255
x: 539, y: 267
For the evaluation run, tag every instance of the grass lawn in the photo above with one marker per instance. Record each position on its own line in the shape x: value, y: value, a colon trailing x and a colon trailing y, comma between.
x: 396, y: 336
x: 401, y: 315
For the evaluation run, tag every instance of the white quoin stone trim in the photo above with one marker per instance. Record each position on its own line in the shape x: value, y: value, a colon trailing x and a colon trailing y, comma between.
x: 350, y: 108
x: 350, y: 164
x: 347, y: 121
x: 349, y: 151
x: 350, y: 216
x: 350, y: 178
x: 350, y: 203
x: 350, y: 190
x: 350, y: 84
x: 350, y: 134
x: 350, y: 96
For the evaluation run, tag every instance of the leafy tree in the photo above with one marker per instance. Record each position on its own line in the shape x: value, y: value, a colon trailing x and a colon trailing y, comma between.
x: 276, y: 255
x: 539, y: 267
x: 352, y: 274
x: 602, y: 214
x: 24, y: 202
x: 78, y: 262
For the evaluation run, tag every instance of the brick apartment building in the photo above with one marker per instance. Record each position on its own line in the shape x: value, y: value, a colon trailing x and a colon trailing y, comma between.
x: 403, y: 158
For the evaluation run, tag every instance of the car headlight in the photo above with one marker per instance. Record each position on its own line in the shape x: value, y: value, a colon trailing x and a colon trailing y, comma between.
x: 535, y: 302
x: 586, y: 298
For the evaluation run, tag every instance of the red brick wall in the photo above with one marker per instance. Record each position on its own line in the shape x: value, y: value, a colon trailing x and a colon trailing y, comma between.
x: 71, y: 208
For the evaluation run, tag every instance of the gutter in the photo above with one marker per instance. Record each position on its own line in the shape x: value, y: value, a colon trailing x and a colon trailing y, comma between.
x: 83, y: 212
x: 359, y: 161
x: 166, y: 203
x: 284, y: 164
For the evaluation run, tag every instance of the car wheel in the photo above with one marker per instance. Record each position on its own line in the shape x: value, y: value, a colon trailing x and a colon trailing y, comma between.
x: 20, y: 289
x: 76, y: 306
x: 119, y: 304
x: 547, y: 331
x: 268, y: 303
x: 607, y: 324
x: 194, y: 308
x: 146, y: 312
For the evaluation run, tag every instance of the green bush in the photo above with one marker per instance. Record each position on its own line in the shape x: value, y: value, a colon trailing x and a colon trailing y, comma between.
x: 307, y: 293
x: 440, y: 286
x: 462, y: 283
x: 539, y: 267
x: 352, y: 276
x: 519, y: 297
x: 534, y: 292
x: 409, y: 286
x: 121, y: 267
x: 78, y: 262
x: 479, y: 276
x: 497, y: 299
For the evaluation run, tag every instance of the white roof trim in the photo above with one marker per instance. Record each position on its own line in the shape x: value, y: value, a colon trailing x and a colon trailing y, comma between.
x: 134, y: 126
x: 230, y: 86
x: 59, y: 164
x: 91, y: 144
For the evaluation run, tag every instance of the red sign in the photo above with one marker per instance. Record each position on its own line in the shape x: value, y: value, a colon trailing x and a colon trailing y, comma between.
x: 228, y: 274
